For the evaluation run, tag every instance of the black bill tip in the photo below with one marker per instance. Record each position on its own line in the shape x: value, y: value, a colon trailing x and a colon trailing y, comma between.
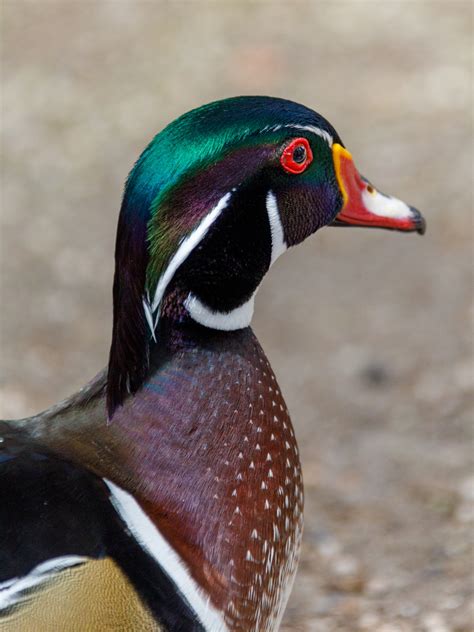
x: 419, y: 221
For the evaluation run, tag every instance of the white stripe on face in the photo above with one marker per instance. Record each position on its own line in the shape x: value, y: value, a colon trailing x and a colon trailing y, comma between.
x: 315, y: 130
x: 278, y: 237
x: 306, y: 128
x: 149, y: 537
x: 149, y: 316
x: 186, y: 247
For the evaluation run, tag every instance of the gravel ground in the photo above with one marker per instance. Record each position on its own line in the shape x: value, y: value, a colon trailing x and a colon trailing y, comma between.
x: 369, y: 332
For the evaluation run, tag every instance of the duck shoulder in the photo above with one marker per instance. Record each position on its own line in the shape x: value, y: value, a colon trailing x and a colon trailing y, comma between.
x: 67, y: 560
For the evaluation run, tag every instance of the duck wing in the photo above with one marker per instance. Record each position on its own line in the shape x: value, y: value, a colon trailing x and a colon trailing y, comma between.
x: 67, y: 559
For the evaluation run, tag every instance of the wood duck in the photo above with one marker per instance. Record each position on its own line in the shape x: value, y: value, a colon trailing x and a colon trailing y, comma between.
x: 167, y: 494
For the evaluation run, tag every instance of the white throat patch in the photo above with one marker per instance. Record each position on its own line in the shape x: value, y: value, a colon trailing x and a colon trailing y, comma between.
x: 238, y: 318
x: 241, y: 316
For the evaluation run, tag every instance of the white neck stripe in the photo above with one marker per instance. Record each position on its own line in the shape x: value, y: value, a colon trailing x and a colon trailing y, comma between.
x: 152, y: 541
x: 278, y: 238
x: 238, y: 318
x: 186, y: 247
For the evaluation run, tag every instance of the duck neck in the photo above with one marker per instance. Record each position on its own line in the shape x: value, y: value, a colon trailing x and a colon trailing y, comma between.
x: 215, y: 465
x: 182, y: 306
x: 207, y: 450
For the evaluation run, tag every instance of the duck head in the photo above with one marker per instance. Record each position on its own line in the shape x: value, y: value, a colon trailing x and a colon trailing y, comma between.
x: 211, y: 203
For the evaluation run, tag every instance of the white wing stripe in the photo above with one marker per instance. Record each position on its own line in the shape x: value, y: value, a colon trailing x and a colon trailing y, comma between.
x: 155, y: 544
x: 11, y: 591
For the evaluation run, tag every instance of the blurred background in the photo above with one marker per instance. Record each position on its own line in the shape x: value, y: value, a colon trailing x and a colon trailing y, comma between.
x: 369, y: 332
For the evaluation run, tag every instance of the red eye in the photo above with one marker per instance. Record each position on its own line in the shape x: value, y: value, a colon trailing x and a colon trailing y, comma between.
x: 296, y: 156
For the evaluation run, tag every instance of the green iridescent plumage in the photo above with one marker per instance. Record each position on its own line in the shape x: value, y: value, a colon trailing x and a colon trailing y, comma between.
x: 191, y: 144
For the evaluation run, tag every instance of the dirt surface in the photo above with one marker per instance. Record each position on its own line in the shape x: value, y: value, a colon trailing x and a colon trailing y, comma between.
x: 369, y: 332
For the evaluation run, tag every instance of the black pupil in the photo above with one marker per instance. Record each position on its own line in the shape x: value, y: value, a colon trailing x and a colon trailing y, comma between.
x: 299, y: 155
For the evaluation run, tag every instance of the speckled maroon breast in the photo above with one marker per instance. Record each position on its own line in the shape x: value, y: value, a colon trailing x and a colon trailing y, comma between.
x: 224, y: 485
